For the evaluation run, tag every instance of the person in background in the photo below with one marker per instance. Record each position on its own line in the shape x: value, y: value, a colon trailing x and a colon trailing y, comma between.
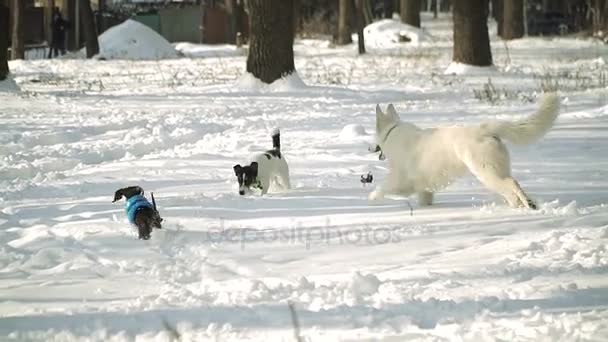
x: 59, y: 26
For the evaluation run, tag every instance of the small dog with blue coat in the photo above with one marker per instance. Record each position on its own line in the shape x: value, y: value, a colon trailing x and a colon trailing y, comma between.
x: 140, y: 211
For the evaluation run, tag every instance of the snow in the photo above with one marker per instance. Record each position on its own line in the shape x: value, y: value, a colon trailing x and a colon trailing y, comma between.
x: 225, y: 266
x: 135, y: 41
x: 8, y: 85
x: 290, y: 83
x: 392, y: 33
x: 456, y: 68
x: 208, y: 50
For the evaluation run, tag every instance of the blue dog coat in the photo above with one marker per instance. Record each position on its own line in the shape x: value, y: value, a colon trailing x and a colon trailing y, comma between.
x: 134, y: 204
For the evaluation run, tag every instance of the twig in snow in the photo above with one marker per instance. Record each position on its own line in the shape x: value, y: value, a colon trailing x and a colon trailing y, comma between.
x: 173, y: 333
x: 411, y: 208
x: 295, y: 322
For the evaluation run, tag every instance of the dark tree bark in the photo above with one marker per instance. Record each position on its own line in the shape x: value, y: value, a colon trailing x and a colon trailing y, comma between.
x: 69, y: 11
x: 48, y: 19
x: 359, y: 9
x: 297, y: 7
x: 435, y: 9
x: 271, y: 39
x: 471, y: 40
x: 388, y: 9
x: 344, y: 12
x: 4, y: 13
x: 17, y: 42
x: 513, y: 19
x: 599, y: 14
x: 497, y: 14
x: 410, y: 12
x: 90, y: 30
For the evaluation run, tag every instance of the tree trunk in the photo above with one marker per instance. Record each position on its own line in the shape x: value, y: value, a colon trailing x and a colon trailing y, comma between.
x: 90, y: 31
x: 360, y: 8
x: 48, y: 20
x: 498, y: 14
x: 69, y: 11
x: 435, y: 6
x: 410, y: 12
x: 388, y: 9
x: 4, y: 13
x: 513, y: 19
x: 271, y: 39
x: 599, y: 20
x: 297, y: 7
x: 471, y: 40
x: 17, y: 43
x: 344, y: 23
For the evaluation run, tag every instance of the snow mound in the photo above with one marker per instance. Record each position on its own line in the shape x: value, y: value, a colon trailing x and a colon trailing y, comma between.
x: 388, y: 33
x: 133, y: 40
x: 353, y: 132
x: 250, y: 83
x: 364, y: 284
x: 9, y: 85
x: 204, y: 50
x: 456, y: 68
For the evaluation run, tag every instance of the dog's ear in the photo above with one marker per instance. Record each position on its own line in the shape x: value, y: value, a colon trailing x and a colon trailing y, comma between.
x: 117, y: 195
x: 390, y: 111
x: 378, y: 111
x: 238, y: 169
x: 254, y: 167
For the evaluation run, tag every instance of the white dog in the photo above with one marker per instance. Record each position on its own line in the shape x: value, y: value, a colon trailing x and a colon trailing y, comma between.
x: 266, y: 169
x: 423, y: 161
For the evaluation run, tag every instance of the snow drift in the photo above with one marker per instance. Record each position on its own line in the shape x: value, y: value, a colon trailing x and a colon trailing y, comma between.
x: 389, y: 33
x: 133, y: 40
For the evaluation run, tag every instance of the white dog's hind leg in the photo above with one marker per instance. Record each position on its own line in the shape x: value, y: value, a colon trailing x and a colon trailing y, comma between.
x: 425, y: 198
x: 507, y: 187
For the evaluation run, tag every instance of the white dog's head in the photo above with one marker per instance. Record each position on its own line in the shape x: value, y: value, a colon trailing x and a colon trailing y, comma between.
x: 385, y: 122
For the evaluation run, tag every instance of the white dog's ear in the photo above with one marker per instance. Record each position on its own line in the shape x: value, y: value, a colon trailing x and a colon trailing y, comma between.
x: 378, y: 110
x: 390, y: 110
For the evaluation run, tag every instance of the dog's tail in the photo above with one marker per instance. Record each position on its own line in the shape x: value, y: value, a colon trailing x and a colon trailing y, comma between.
x: 532, y: 128
x: 276, y: 139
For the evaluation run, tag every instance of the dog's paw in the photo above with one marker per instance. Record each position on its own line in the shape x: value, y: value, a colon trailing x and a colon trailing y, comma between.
x: 375, y: 195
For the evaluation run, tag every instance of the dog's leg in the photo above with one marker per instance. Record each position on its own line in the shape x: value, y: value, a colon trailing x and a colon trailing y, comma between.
x: 391, y: 185
x: 524, y: 200
x: 489, y: 161
x: 284, y: 178
x: 265, y: 185
x: 507, y: 187
x: 425, y: 198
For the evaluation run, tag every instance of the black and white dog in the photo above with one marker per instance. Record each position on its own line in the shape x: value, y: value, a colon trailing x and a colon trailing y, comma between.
x: 140, y: 211
x: 266, y: 169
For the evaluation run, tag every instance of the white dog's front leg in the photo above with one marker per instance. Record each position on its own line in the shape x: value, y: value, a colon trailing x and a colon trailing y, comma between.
x: 376, y: 195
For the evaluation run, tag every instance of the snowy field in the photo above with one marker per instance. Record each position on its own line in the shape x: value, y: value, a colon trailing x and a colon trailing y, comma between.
x: 224, y: 267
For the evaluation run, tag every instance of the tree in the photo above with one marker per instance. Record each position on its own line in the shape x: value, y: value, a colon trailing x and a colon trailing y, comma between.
x: 271, y: 39
x: 599, y: 17
x: 90, y: 30
x: 513, y: 19
x: 497, y: 14
x: 344, y: 10
x: 471, y: 39
x: 388, y: 8
x: 410, y: 12
x: 3, y: 41
x: 360, y: 9
x: 17, y: 43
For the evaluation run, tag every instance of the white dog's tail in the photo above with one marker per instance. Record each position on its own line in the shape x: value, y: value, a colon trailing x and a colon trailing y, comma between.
x: 531, y: 128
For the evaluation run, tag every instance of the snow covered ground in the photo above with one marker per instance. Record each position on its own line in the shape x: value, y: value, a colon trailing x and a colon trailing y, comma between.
x: 224, y: 268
